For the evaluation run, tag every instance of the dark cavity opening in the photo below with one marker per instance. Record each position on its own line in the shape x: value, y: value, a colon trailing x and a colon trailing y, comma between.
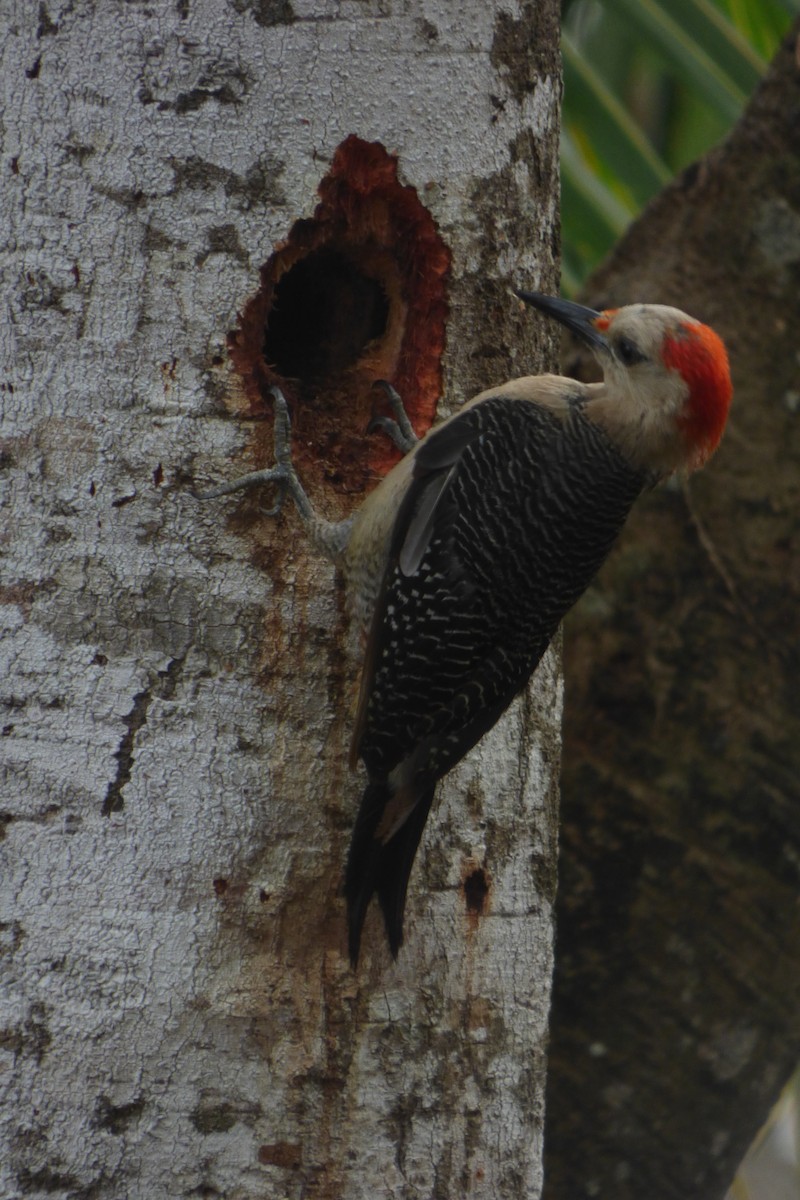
x: 476, y: 889
x: 324, y: 312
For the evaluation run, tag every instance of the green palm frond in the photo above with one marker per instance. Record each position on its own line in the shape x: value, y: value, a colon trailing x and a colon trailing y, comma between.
x: 648, y: 86
x: 627, y: 154
x: 702, y: 48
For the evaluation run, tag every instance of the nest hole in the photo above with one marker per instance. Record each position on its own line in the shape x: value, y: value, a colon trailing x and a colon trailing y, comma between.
x: 326, y: 310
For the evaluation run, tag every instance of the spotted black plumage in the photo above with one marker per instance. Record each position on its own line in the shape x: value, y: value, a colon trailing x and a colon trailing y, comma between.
x: 470, y: 604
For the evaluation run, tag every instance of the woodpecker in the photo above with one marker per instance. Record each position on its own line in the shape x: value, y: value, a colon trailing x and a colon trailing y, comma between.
x: 469, y: 553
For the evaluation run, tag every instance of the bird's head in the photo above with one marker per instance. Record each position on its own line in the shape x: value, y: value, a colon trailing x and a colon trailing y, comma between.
x: 667, y: 386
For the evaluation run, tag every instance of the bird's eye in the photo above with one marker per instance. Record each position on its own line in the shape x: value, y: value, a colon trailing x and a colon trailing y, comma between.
x: 628, y: 353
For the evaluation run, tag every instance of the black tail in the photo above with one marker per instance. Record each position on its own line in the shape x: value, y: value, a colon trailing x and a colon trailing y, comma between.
x: 382, y: 867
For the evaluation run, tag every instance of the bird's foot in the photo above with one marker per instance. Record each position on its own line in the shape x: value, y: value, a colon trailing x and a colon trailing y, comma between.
x: 399, y: 428
x: 328, y: 536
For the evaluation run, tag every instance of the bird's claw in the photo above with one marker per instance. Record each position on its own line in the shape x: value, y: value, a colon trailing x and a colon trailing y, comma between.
x: 281, y: 475
x: 278, y: 476
x: 399, y: 429
x: 330, y: 537
x: 388, y: 425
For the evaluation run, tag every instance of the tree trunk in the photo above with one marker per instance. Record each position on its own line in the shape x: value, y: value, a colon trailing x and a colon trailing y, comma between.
x: 178, y: 1013
x: 677, y: 991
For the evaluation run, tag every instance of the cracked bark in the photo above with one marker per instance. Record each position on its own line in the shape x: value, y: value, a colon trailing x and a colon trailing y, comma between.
x: 178, y: 1016
x: 134, y: 721
x: 677, y: 987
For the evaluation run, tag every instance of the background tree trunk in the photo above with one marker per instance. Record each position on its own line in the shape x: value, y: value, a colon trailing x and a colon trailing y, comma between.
x: 178, y: 1015
x: 677, y: 987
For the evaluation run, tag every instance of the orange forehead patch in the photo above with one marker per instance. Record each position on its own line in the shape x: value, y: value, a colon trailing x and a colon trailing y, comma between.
x: 699, y: 356
x: 604, y: 320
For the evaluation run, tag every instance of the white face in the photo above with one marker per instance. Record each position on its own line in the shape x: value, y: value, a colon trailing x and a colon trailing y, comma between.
x: 648, y: 397
x: 635, y: 337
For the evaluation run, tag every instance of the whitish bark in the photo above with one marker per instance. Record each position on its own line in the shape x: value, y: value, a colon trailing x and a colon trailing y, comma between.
x: 175, y: 689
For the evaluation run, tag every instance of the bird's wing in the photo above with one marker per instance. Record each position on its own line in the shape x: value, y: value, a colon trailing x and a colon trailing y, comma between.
x: 437, y: 657
x: 423, y: 509
x: 510, y: 509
